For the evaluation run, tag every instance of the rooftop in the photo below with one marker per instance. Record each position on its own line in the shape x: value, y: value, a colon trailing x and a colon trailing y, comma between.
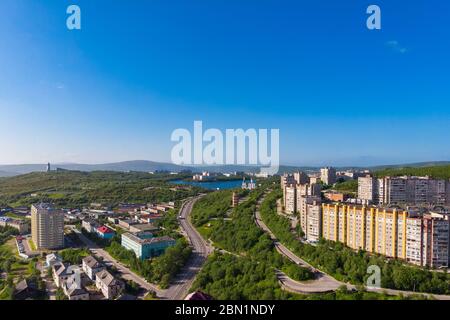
x: 104, y: 229
x: 198, y: 296
x: 59, y: 268
x: 151, y: 216
x: 43, y: 206
x: 91, y: 262
x: 106, y: 277
x: 91, y: 221
x: 25, y: 285
x: 140, y: 239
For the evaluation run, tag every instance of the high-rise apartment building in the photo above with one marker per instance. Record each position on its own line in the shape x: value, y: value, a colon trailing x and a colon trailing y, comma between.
x: 307, y: 190
x: 47, y: 226
x: 287, y: 179
x: 435, y: 240
x: 301, y: 177
x: 293, y: 190
x: 404, y: 190
x: 312, y: 189
x: 328, y: 175
x: 290, y: 200
x: 367, y: 188
x: 310, y: 210
x: 394, y: 233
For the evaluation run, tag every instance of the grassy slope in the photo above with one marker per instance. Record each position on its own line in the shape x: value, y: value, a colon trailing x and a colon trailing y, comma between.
x: 440, y: 172
x: 73, y: 188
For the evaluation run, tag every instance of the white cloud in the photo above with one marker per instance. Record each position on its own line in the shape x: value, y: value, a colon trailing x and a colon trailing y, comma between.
x: 396, y: 46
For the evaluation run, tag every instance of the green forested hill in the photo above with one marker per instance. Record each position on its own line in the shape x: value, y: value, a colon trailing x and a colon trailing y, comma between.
x: 74, y: 188
x: 440, y: 172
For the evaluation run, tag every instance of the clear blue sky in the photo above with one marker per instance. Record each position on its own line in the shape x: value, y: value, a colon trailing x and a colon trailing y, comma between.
x: 339, y: 93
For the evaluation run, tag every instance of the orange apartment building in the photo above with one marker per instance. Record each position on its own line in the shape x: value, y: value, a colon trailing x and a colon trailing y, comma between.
x: 390, y: 232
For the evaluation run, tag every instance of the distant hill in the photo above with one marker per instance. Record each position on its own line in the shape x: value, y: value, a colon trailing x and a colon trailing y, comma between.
x: 152, y: 166
x: 126, y: 166
x: 80, y: 188
x: 17, y: 169
x: 8, y: 174
x: 409, y: 165
x: 439, y: 172
x: 144, y: 166
x: 138, y: 165
x: 291, y: 169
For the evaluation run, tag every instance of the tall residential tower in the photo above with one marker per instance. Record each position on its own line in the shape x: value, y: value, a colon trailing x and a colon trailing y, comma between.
x: 47, y: 226
x: 328, y: 175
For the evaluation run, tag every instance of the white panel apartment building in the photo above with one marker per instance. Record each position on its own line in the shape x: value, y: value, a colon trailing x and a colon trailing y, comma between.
x: 404, y: 190
x: 287, y: 180
x: 367, y: 188
x: 310, y: 209
x: 328, y: 175
x: 292, y: 194
x: 301, y: 177
x: 290, y: 199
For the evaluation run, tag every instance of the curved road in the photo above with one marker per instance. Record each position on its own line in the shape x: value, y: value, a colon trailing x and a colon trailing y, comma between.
x: 125, y: 272
x: 184, y: 280
x: 324, y: 282
x: 201, y: 250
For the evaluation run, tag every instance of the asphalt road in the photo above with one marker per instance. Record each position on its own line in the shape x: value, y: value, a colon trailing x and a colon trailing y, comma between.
x: 201, y: 250
x: 323, y: 282
x: 125, y: 272
x: 182, y: 283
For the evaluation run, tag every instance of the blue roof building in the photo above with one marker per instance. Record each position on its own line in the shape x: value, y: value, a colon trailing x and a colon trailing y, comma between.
x: 145, y: 246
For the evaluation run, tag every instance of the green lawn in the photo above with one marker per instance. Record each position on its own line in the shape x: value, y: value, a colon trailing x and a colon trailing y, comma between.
x: 19, y: 268
x: 6, y: 250
x: 32, y: 245
x: 15, y: 216
x: 206, y: 229
x: 56, y: 196
x: 78, y: 189
x: 9, y: 249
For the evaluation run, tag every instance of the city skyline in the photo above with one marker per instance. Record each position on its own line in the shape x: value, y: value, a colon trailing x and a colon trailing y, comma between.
x: 254, y: 155
x: 340, y: 94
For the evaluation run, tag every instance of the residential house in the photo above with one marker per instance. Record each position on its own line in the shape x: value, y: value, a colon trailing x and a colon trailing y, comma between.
x: 126, y: 224
x: 198, y: 296
x: 51, y: 259
x: 77, y: 294
x: 22, y: 226
x: 59, y: 272
x: 144, y: 227
x: 149, y: 218
x: 113, y: 220
x: 127, y: 208
x: 108, y: 285
x: 26, y: 290
x: 105, y: 233
x: 91, y: 267
x: 73, y: 288
x: 90, y: 225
